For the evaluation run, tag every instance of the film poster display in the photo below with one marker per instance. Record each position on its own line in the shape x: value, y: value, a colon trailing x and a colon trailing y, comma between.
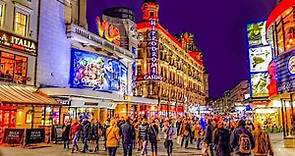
x: 259, y: 82
x: 35, y: 135
x: 13, y: 136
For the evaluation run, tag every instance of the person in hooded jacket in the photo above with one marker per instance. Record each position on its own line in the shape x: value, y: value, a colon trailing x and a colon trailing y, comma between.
x: 221, y: 139
x: 262, y: 141
x: 86, y: 132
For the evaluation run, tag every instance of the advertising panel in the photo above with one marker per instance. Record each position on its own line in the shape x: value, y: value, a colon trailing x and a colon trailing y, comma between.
x: 13, y: 136
x: 90, y: 70
x: 259, y: 82
x: 260, y: 57
x: 257, y: 34
x: 285, y: 72
x: 35, y: 135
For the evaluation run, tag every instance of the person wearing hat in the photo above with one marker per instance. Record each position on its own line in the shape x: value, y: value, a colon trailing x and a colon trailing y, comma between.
x: 241, y: 140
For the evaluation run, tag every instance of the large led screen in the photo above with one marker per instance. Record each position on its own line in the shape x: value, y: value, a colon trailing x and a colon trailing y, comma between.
x: 259, y: 82
x: 90, y: 70
x: 260, y: 57
x: 256, y: 34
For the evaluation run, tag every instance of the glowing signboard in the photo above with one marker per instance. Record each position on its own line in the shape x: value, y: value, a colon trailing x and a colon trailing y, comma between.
x: 108, y: 31
x: 260, y: 57
x: 12, y: 41
x: 153, y: 49
x: 257, y: 34
x: 259, y: 83
x: 91, y: 70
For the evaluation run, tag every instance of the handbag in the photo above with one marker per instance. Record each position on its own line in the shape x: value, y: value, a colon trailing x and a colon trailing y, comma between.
x: 179, y: 140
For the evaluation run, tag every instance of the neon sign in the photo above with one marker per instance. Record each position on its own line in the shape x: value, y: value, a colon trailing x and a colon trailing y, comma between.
x: 108, y: 31
x: 153, y: 46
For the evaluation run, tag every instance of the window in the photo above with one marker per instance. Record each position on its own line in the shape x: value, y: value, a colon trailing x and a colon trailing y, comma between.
x: 20, y: 23
x: 2, y: 11
x: 13, y: 68
x: 138, y: 70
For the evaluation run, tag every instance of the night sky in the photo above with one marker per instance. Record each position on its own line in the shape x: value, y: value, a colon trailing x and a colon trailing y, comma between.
x: 218, y: 25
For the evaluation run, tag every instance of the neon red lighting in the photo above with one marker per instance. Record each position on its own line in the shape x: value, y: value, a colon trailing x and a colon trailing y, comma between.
x: 146, y: 25
x: 278, y: 11
x: 272, y: 86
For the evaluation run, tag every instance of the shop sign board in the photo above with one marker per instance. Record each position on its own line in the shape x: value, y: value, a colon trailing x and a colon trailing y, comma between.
x: 153, y: 49
x: 35, y: 135
x: 285, y: 77
x: 259, y: 82
x: 257, y: 34
x: 13, y: 136
x: 57, y: 133
x: 108, y: 31
x: 10, y: 40
x: 101, y: 73
x: 260, y: 57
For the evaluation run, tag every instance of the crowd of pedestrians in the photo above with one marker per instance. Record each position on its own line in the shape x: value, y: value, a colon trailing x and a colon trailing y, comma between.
x: 213, y: 135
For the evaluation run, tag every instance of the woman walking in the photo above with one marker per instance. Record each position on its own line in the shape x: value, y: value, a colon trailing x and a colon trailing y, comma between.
x: 75, y: 131
x: 113, y: 137
x: 263, y: 144
x: 169, y: 133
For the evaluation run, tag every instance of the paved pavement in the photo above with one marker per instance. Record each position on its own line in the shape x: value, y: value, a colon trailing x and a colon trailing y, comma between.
x: 57, y: 150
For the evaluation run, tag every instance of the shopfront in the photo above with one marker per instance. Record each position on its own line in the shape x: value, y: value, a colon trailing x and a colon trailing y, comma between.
x: 24, y: 107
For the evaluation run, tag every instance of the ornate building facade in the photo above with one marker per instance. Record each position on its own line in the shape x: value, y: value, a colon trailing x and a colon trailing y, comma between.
x: 169, y: 69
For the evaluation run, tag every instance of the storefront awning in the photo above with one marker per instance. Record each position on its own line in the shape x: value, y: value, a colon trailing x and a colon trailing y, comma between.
x: 19, y: 94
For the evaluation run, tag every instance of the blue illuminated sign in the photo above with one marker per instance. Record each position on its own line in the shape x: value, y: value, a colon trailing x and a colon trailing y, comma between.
x: 90, y: 70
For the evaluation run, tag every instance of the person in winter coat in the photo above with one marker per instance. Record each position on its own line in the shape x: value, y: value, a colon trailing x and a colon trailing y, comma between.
x: 197, y: 134
x: 153, y: 132
x: 94, y: 133
x: 128, y: 136
x: 143, y: 136
x: 112, y: 138
x: 168, y: 134
x: 185, y: 132
x: 262, y: 141
x: 208, y: 136
x: 75, y: 131
x: 241, y: 140
x: 86, y: 132
x: 221, y: 139
x: 66, y: 129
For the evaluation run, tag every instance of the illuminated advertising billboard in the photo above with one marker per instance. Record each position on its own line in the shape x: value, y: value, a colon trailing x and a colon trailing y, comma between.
x: 259, y: 83
x: 285, y: 72
x: 90, y: 70
x: 260, y: 57
x: 257, y: 34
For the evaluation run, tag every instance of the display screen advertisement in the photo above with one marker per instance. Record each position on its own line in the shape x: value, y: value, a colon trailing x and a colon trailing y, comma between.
x: 90, y: 70
x: 260, y: 57
x: 259, y: 83
x: 257, y: 34
x: 285, y: 72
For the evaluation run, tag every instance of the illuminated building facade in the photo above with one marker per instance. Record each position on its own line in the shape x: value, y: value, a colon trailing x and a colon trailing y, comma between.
x: 21, y: 106
x: 170, y: 70
x: 281, y: 35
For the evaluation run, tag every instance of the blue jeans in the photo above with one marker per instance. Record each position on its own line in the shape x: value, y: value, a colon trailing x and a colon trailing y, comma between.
x: 112, y: 151
x: 127, y: 149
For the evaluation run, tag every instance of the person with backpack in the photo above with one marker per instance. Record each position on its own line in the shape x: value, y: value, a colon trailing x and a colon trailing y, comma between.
x: 221, y: 139
x: 263, y: 144
x: 128, y: 136
x: 241, y: 140
x: 169, y: 133
x: 153, y: 132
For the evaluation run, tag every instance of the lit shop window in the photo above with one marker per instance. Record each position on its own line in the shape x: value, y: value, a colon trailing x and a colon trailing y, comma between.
x: 13, y: 68
x: 20, y: 23
x: 2, y: 11
x: 289, y: 29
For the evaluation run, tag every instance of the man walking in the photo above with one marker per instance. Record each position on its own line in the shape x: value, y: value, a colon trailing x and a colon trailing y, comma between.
x: 128, y: 136
x: 241, y: 140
